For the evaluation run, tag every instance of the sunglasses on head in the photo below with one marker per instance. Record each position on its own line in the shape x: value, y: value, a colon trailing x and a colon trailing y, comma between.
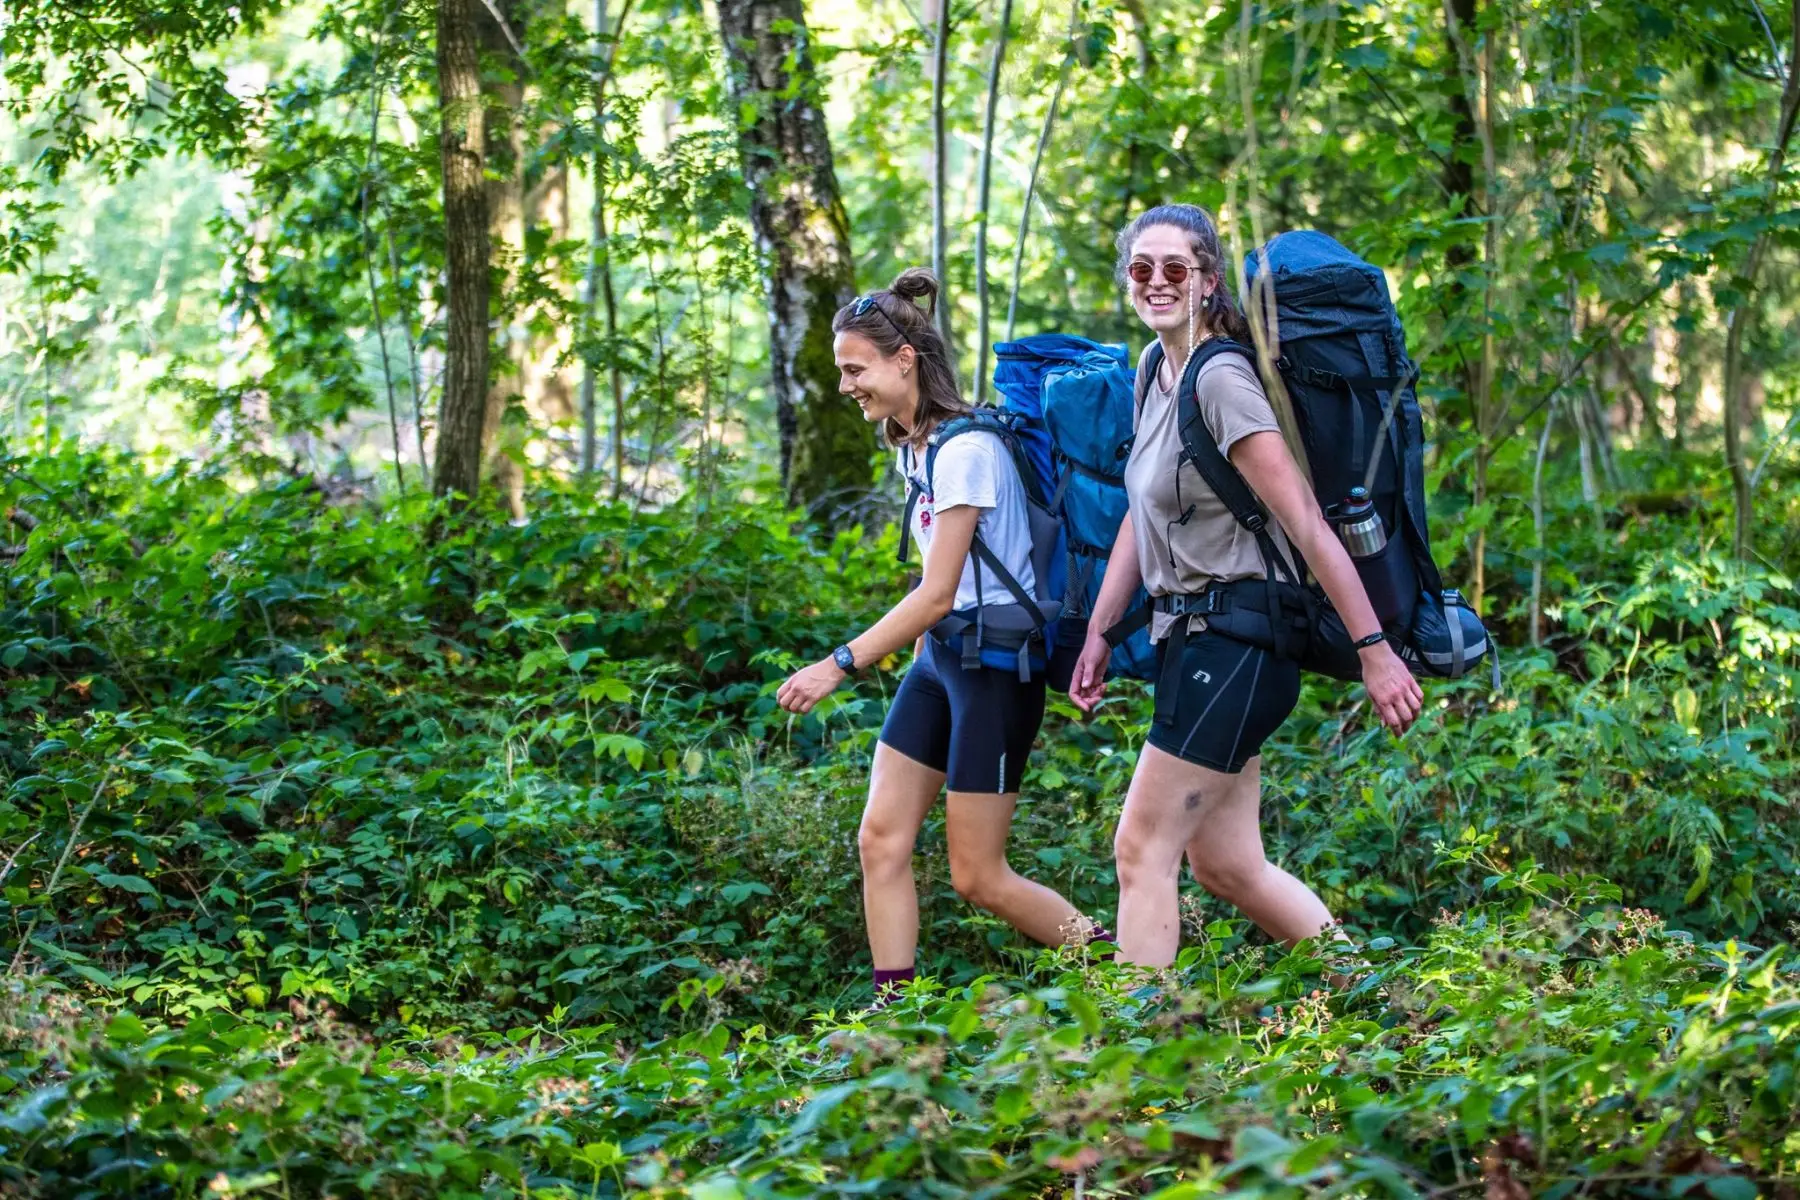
x: 1142, y: 270
x: 863, y: 304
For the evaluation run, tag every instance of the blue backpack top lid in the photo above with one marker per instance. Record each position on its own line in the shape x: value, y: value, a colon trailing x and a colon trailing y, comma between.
x: 1323, y: 289
x: 1020, y: 369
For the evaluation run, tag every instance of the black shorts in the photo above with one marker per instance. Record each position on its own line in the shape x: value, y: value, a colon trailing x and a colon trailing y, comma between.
x: 1230, y: 697
x: 975, y: 726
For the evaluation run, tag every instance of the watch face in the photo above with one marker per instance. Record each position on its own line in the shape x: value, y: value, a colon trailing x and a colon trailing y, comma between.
x: 846, y: 659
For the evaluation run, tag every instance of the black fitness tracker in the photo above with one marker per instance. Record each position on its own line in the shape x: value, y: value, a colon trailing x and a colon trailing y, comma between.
x: 1373, y: 639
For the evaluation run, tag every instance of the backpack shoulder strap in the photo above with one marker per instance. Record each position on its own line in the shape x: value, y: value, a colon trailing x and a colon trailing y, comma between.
x: 1147, y: 369
x: 956, y: 426
x: 906, y: 516
x: 998, y: 423
x: 948, y: 432
x: 1199, y: 447
x: 984, y: 419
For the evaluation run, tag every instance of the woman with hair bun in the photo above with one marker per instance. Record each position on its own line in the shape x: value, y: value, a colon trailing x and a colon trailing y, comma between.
x: 965, y: 728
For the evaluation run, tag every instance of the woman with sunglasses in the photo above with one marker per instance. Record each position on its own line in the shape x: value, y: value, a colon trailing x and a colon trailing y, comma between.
x: 968, y: 729
x: 1197, y: 788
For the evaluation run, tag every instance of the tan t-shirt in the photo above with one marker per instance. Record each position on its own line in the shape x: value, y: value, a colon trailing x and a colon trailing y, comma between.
x: 1176, y: 556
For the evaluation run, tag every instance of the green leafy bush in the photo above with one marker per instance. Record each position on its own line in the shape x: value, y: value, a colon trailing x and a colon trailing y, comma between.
x: 1550, y: 1044
x: 304, y: 805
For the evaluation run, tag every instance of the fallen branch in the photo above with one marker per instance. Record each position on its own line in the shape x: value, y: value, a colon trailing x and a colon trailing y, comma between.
x: 29, y: 523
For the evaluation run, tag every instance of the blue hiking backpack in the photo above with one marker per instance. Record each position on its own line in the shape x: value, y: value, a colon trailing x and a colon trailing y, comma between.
x: 1083, y: 393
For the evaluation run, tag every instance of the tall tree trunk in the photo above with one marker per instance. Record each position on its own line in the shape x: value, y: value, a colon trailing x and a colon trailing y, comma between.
x: 503, y: 89
x: 940, y: 231
x: 1475, y: 71
x: 549, y: 399
x: 462, y: 143
x: 981, y: 215
x: 599, y: 273
x: 1490, y: 275
x: 803, y: 236
x: 1037, y: 163
x: 1537, y: 525
x: 1734, y: 398
x: 1134, y: 146
x: 1140, y: 36
x: 1459, y: 171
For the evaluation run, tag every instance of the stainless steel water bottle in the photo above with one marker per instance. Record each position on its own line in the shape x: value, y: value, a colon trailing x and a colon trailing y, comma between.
x: 1386, y: 574
x: 1359, y: 526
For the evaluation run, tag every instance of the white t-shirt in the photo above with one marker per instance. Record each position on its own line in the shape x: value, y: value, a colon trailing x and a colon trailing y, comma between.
x: 976, y: 469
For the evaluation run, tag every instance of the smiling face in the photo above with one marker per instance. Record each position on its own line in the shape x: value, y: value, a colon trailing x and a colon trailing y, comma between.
x: 1160, y: 304
x: 883, y: 386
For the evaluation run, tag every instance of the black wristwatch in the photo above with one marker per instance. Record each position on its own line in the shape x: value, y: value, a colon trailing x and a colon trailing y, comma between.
x: 845, y: 660
x: 1374, y: 639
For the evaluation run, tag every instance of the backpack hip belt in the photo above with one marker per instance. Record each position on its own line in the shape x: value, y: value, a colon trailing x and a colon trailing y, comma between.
x: 1239, y: 610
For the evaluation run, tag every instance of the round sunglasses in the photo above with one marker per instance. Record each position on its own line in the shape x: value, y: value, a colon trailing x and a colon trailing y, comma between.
x: 1142, y: 270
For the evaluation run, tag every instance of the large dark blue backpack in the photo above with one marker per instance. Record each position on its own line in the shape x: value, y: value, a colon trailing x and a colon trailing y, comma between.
x: 1084, y: 391
x: 1343, y: 362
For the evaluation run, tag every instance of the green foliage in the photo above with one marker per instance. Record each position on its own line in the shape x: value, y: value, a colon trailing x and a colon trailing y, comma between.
x: 1545, y: 1043
x: 235, y: 710
x: 301, y: 755
x: 352, y: 846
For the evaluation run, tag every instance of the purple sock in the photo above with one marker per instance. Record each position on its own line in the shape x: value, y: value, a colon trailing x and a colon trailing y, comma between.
x: 889, y: 983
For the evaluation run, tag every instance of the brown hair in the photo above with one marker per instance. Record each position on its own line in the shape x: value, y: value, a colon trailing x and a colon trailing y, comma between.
x: 1220, y: 313
x: 894, y: 319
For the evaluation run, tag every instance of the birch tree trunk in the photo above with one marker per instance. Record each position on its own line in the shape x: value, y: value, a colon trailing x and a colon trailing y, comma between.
x: 981, y: 226
x: 803, y: 237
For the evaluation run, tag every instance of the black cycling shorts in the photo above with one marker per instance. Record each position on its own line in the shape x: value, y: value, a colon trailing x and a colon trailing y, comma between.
x: 975, y: 726
x: 1230, y: 697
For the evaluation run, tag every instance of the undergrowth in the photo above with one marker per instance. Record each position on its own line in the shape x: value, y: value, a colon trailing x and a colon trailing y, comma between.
x: 368, y: 850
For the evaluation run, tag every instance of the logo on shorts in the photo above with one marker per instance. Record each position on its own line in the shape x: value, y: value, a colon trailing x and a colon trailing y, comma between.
x: 1203, y: 676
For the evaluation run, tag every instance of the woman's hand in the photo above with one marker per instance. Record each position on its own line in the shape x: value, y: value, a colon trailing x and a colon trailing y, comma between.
x: 809, y: 685
x: 1089, y: 683
x: 1392, y: 689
